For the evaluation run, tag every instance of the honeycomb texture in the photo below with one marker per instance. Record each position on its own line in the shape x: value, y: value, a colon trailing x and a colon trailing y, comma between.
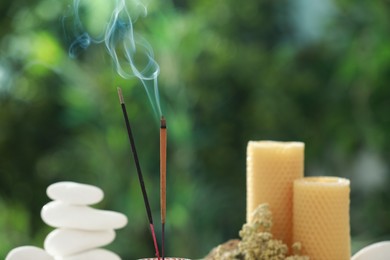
x: 272, y: 168
x: 321, y: 217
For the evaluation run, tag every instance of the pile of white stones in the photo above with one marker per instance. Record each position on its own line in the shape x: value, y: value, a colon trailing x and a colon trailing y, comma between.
x: 80, y: 229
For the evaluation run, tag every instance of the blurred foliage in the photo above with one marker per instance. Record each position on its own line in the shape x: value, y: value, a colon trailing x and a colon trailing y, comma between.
x: 231, y: 71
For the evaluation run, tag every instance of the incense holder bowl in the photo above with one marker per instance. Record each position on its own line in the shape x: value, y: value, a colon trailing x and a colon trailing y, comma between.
x: 166, y: 258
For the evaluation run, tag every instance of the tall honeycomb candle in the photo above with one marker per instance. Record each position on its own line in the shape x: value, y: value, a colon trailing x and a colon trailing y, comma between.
x: 321, y: 217
x: 272, y: 168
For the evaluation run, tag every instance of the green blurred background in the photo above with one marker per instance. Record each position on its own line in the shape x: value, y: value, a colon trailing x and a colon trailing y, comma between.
x: 231, y: 71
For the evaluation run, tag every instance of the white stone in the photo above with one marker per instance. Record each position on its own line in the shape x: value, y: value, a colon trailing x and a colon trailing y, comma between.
x: 28, y: 253
x: 62, y: 215
x: 75, y: 193
x: 62, y: 242
x: 95, y: 254
x: 376, y: 251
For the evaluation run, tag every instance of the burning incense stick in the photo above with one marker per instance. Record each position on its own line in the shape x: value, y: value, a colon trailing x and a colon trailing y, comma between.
x: 163, y: 175
x: 140, y: 177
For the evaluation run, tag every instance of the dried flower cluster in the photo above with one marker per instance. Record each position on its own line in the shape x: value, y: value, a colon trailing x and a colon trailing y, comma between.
x: 256, y: 242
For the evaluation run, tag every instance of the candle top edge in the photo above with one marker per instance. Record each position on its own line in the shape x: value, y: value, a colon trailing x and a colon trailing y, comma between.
x: 322, y: 181
x: 269, y: 143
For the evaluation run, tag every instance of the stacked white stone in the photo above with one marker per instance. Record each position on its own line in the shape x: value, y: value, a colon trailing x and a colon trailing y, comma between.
x: 28, y: 253
x: 80, y: 230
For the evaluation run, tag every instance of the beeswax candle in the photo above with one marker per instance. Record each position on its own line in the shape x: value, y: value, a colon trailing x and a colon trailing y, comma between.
x: 272, y: 168
x: 321, y: 217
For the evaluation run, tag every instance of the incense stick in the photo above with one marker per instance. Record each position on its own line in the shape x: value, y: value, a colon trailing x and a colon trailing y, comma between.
x: 140, y: 177
x: 163, y: 174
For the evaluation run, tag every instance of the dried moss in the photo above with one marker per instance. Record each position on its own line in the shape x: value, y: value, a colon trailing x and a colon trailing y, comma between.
x: 257, y: 242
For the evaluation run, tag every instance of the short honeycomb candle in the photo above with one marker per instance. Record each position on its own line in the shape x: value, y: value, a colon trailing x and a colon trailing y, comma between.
x: 321, y: 217
x: 272, y: 168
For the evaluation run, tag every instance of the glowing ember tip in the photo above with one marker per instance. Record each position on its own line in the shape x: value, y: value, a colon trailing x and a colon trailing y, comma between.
x: 121, y: 99
x: 163, y: 122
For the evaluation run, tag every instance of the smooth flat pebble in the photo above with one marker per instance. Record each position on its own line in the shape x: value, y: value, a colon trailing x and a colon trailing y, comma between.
x: 28, y: 253
x: 95, y: 254
x: 75, y: 193
x: 63, y: 242
x: 376, y: 251
x: 62, y: 215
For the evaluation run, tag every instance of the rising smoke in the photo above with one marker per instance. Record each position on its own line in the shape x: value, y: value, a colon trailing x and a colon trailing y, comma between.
x: 131, y: 54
